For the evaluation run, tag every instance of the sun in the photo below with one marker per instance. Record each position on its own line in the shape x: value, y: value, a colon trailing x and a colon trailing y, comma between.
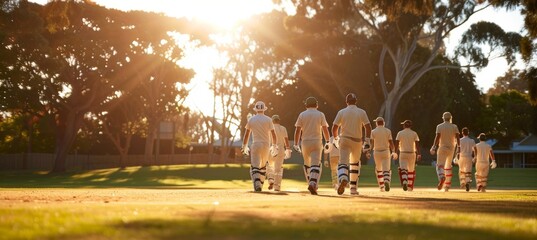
x: 221, y: 13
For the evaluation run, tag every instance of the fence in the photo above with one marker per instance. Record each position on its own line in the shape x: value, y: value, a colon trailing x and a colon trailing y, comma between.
x: 43, y: 161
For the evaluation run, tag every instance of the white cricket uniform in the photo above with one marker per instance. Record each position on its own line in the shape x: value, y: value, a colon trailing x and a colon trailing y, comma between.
x: 407, y: 156
x: 351, y: 120
x: 465, y: 160
x: 275, y: 166
x: 449, y: 133
x: 381, y: 137
x: 448, y: 140
x: 260, y: 126
x: 407, y: 148
x: 482, y: 163
x: 311, y: 123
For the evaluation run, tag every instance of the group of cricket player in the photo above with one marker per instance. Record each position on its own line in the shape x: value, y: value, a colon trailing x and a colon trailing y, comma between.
x: 352, y: 135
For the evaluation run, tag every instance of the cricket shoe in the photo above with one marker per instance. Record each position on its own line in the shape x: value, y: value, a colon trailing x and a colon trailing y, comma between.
x: 382, y: 189
x: 479, y: 188
x: 410, y: 189
x: 483, y: 189
x: 341, y: 187
x: 354, y: 191
x: 467, y: 186
x: 441, y: 184
x: 446, y: 189
x: 405, y: 185
x: 387, y: 186
x: 312, y: 188
x: 270, y: 186
x: 258, y: 186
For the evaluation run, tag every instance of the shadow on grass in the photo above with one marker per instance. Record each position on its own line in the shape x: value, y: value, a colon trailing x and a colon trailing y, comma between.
x: 194, y: 176
x: 249, y: 226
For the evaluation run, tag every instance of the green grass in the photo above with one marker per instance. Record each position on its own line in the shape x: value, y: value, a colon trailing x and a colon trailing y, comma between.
x: 216, y: 202
x: 228, y: 176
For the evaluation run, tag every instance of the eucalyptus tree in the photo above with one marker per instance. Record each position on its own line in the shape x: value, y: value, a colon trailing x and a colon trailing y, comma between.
x: 401, y: 29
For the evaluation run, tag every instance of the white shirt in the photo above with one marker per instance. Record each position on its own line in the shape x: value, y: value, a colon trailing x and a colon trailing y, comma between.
x: 381, y: 136
x: 260, y: 125
x: 448, y: 137
x: 467, y: 146
x: 407, y: 137
x: 281, y: 134
x: 483, y: 151
x: 311, y: 121
x: 350, y: 120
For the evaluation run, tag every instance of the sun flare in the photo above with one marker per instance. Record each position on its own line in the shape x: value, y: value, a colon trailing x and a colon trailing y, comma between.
x: 221, y: 13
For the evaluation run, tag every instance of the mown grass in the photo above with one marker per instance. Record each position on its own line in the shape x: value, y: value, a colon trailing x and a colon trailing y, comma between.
x: 228, y: 176
x: 216, y: 202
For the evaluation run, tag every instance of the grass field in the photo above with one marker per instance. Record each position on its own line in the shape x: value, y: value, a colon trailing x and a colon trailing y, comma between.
x: 216, y: 202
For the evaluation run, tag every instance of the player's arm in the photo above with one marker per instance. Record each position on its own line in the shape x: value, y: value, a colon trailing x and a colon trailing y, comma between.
x: 392, y: 146
x: 367, y: 131
x: 418, y: 151
x: 335, y: 130
x: 274, y: 139
x: 298, y: 131
x: 396, y: 146
x: 286, y: 143
x: 326, y: 134
x: 458, y: 143
x: 436, y: 140
x: 246, y: 137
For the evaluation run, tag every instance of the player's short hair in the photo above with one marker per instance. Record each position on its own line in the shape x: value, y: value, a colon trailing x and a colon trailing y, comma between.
x: 311, y: 102
x: 465, y: 131
x: 276, y: 118
x: 482, y: 137
x: 407, y: 123
x: 351, y: 98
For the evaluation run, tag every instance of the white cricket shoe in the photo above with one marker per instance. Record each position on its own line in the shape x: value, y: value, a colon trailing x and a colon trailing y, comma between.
x: 354, y: 191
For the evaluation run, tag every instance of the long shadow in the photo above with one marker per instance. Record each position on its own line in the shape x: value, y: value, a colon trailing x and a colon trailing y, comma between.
x: 254, y: 226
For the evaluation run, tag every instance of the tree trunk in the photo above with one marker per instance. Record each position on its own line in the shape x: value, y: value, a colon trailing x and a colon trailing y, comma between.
x: 66, y: 136
x: 149, y: 147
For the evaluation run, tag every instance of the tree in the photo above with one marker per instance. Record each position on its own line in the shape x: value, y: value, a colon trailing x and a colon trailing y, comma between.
x: 510, y: 116
x: 93, y: 56
x: 404, y: 26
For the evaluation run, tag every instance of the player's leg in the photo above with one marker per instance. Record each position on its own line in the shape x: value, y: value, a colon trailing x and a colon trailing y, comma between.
x: 278, y: 172
x: 306, y: 155
x: 403, y: 164
x: 386, y: 171
x: 343, y: 166
x: 354, y: 166
x: 442, y: 156
x: 257, y: 167
x: 482, y: 171
x: 315, y: 149
x: 411, y: 171
x: 270, y: 172
x: 334, y: 160
x: 378, y: 170
x: 448, y: 168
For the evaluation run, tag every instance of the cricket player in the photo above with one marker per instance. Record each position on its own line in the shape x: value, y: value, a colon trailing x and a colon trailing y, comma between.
x: 445, y: 142
x: 382, y: 144
x: 275, y: 164
x: 311, y: 126
x: 465, y: 159
x: 407, y: 144
x: 348, y: 124
x: 483, y: 151
x: 262, y: 129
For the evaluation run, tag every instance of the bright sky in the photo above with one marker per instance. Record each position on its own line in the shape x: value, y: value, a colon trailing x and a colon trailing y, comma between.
x: 224, y: 13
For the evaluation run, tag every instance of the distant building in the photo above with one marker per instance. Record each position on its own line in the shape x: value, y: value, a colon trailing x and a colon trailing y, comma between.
x: 522, y: 154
